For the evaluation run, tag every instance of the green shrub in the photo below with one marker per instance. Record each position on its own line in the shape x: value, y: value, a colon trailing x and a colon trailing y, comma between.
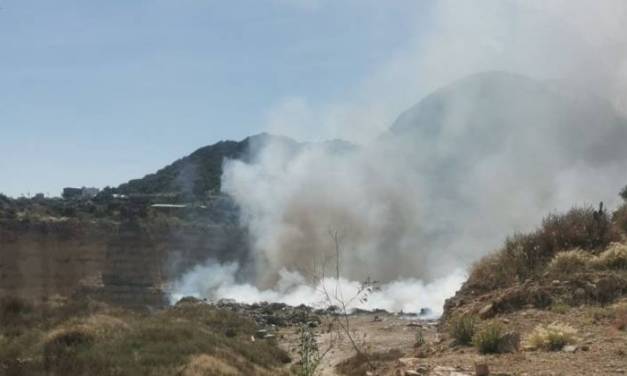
x: 462, y: 328
x: 489, y: 339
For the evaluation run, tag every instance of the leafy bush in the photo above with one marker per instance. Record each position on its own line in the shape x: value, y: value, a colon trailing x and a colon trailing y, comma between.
x: 490, y: 338
x: 552, y: 337
x: 462, y: 328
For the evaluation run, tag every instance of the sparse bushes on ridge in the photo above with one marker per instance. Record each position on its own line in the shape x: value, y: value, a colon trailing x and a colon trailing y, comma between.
x: 462, y: 328
x: 552, y: 337
x: 564, y: 264
x: 527, y: 255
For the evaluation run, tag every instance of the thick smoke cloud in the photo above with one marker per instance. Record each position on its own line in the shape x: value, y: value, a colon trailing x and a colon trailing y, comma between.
x: 476, y: 161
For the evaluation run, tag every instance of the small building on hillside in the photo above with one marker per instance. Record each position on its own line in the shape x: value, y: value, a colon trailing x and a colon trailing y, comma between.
x: 83, y: 193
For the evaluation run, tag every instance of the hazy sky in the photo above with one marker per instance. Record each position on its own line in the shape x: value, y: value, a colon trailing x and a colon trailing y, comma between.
x: 95, y: 93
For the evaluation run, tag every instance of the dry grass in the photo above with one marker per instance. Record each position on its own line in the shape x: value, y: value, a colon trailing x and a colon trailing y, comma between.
x: 204, y: 364
x: 613, y: 258
x: 569, y: 262
x: 116, y: 342
x: 358, y: 364
x: 552, y: 337
x: 580, y: 231
x: 619, y: 316
x: 462, y: 328
x: 488, y: 339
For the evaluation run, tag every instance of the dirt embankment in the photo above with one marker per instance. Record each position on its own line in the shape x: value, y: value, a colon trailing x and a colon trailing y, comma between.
x: 124, y: 263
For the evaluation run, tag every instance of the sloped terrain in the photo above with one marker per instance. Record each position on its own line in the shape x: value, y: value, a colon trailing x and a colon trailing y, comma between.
x: 89, y: 338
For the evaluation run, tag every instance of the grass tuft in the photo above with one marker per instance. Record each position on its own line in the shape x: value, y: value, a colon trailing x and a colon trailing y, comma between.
x: 490, y: 339
x: 552, y: 337
x: 462, y: 328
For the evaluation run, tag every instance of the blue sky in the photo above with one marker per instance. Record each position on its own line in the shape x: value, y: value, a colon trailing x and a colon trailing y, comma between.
x: 95, y: 93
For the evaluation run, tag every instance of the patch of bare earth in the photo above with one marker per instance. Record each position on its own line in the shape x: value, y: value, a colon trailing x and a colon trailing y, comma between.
x: 600, y: 349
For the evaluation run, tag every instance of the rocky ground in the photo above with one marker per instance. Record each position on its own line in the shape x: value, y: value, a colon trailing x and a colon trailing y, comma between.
x: 600, y: 350
x: 390, y: 342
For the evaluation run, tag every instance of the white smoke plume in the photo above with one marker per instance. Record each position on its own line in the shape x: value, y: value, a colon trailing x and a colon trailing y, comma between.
x: 479, y: 160
x: 215, y: 281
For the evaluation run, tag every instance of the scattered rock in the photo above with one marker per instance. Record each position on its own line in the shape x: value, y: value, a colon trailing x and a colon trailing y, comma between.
x: 447, y: 371
x: 412, y: 373
x: 482, y: 369
x: 487, y: 311
x: 569, y: 348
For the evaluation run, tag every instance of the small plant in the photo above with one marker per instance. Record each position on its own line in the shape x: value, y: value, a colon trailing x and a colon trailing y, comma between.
x: 598, y: 314
x: 420, y: 338
x: 560, y: 308
x: 553, y: 337
x: 490, y: 339
x: 462, y: 328
x: 310, y: 356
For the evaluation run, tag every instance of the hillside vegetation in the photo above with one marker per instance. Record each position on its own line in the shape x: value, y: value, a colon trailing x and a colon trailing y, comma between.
x: 579, y: 257
x: 88, y: 338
